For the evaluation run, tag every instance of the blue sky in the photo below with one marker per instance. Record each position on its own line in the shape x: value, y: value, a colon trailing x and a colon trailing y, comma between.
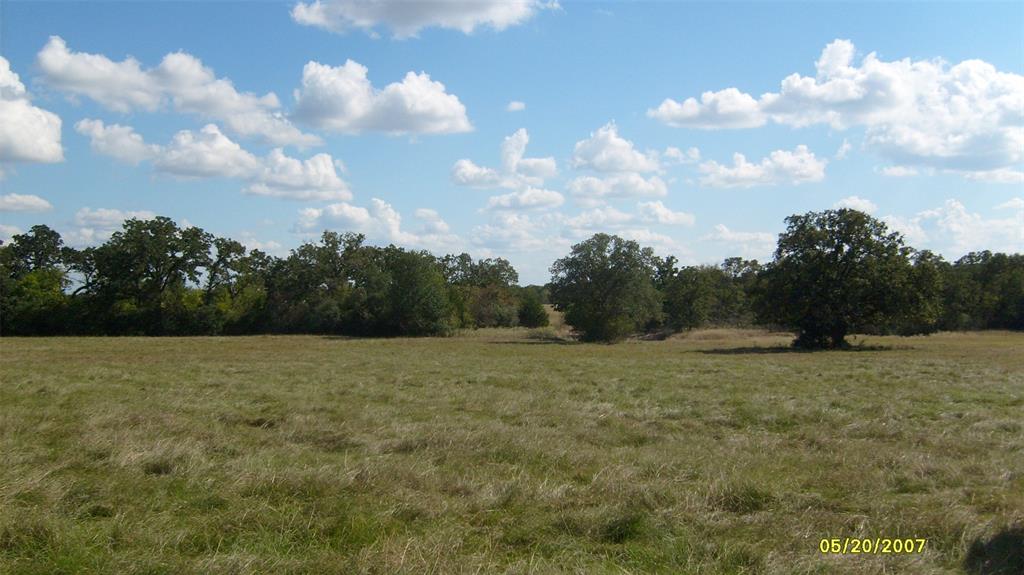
x: 914, y: 112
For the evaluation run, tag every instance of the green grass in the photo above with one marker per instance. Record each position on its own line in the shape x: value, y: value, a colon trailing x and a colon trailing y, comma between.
x: 503, y: 451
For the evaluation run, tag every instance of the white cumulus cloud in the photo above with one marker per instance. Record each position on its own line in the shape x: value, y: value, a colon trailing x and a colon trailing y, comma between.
x: 602, y: 218
x: 180, y: 80
x: 780, y: 167
x: 380, y: 222
x: 406, y: 18
x: 23, y: 203
x: 208, y: 153
x: 657, y: 212
x: 728, y: 108
x: 606, y: 151
x: 95, y: 226
x: 116, y: 141
x: 342, y: 99
x: 856, y: 203
x: 516, y: 171
x: 27, y: 133
x: 590, y: 190
x: 526, y: 199
x: 967, y: 117
x: 953, y: 230
x: 515, y: 106
x: 898, y: 171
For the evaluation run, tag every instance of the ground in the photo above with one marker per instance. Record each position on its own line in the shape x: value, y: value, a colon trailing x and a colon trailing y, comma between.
x: 506, y: 451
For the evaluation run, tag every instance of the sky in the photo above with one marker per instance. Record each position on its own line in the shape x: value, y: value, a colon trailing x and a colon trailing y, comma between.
x: 514, y: 128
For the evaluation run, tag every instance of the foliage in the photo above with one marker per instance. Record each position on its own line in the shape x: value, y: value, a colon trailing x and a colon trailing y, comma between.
x: 531, y: 310
x: 834, y: 273
x: 839, y: 271
x: 605, y: 288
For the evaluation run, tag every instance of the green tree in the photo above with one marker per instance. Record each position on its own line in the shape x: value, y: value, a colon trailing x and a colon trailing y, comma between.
x: 145, y: 273
x: 605, y: 288
x: 839, y: 271
x: 531, y: 310
x: 33, y: 279
x: 417, y: 294
x: 690, y: 297
x: 40, y: 248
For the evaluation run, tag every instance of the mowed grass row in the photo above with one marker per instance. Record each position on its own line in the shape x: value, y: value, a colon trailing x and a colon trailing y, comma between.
x: 493, y: 452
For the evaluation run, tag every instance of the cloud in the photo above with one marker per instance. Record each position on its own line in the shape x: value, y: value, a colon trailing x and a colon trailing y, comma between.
x: 967, y: 117
x: 856, y: 203
x: 677, y: 156
x: 780, y: 167
x: 727, y: 108
x: 599, y: 219
x: 315, y: 178
x: 953, y: 230
x: 23, y: 203
x: 208, y: 153
x: 843, y: 150
x: 251, y: 242
x: 341, y: 99
x: 432, y: 223
x: 748, y: 244
x: 724, y: 234
x: 205, y: 154
x: 518, y: 232
x: 380, y: 222
x: 1012, y: 204
x: 95, y: 226
x: 405, y: 19
x: 515, y: 106
x: 661, y: 243
x: 466, y: 173
x: 116, y: 141
x: 590, y: 190
x: 532, y: 170
x: 516, y: 171
x: 657, y: 212
x: 606, y: 151
x: 107, y: 218
x: 27, y: 133
x: 898, y: 171
x: 8, y: 232
x: 526, y: 199
x: 1000, y: 176
x: 180, y: 80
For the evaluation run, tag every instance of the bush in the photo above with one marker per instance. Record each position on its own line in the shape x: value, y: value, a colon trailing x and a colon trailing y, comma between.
x: 531, y: 311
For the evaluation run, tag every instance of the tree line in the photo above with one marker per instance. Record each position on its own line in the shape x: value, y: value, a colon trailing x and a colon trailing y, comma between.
x: 155, y: 278
x: 833, y: 273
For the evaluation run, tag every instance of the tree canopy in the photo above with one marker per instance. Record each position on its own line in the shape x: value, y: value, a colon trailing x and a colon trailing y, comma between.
x: 834, y: 273
x: 839, y: 271
x: 605, y: 288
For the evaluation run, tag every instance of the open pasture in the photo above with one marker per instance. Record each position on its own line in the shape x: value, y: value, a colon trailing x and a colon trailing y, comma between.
x: 498, y: 451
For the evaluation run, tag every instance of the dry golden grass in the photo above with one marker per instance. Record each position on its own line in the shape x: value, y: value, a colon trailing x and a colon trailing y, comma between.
x: 491, y: 452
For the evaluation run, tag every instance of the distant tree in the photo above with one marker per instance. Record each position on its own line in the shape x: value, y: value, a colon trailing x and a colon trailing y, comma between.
x: 494, y: 306
x: 983, y: 290
x: 605, y: 288
x: 531, y: 310
x: 144, y: 275
x: 40, y: 248
x: 838, y: 271
x: 33, y: 279
x: 417, y: 293
x: 690, y: 297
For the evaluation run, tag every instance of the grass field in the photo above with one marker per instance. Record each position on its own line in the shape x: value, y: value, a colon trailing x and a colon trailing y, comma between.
x: 497, y: 452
